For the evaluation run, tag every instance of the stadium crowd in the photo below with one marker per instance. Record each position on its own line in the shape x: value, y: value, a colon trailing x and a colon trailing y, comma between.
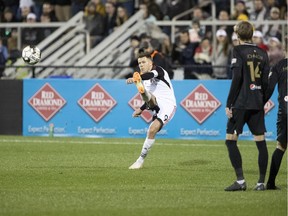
x: 193, y: 47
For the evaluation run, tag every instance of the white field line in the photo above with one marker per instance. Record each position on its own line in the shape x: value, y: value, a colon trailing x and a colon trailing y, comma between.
x: 158, y: 142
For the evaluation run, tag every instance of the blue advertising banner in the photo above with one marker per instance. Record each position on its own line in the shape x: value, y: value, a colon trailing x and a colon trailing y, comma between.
x: 103, y: 108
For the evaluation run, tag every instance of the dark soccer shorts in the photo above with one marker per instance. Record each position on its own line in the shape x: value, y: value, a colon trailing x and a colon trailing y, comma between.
x: 253, y: 118
x: 282, y: 128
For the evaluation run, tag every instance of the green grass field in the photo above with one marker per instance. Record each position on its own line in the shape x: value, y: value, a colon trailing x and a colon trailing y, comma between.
x: 77, y: 176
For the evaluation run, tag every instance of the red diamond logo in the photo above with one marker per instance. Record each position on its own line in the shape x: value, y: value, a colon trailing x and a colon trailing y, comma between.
x: 268, y: 106
x: 97, y: 102
x: 137, y: 102
x: 200, y: 103
x: 47, y: 102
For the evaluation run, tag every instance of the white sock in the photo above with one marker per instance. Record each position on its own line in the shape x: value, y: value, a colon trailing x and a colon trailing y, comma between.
x: 240, y: 181
x: 146, y: 147
x: 258, y: 184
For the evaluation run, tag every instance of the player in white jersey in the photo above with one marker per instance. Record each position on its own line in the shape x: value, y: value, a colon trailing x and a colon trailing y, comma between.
x: 157, y: 92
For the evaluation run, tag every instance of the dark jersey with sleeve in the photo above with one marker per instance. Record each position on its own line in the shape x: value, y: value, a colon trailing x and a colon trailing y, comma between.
x: 250, y: 77
x: 278, y: 74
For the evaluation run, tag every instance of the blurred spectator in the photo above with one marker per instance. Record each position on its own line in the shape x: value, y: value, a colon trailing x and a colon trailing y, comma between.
x: 3, y: 57
x: 48, y: 10
x: 224, y: 16
x: 38, y: 7
x: 134, y: 45
x: 235, y: 42
x: 272, y: 3
x: 166, y: 46
x: 203, y: 59
x: 199, y: 32
x: 154, y: 9
x: 77, y: 6
x: 286, y: 29
x: 26, y: 3
x: 240, y: 11
x: 13, y: 5
x: 259, y: 13
x: 24, y: 11
x: 222, y: 5
x: 221, y: 54
x: 154, y: 42
x: 25, y: 7
x: 273, y: 30
x: 183, y: 52
x: 195, y: 35
x: 100, y: 7
x: 179, y: 45
x: 172, y: 8
x: 148, y: 17
x: 275, y: 50
x: 158, y: 58
x: 31, y: 18
x: 94, y: 24
x: 110, y: 17
x: 14, y: 52
x: 258, y: 40
x: 62, y: 9
x: 283, y: 9
x: 197, y: 16
x: 197, y: 13
x: 128, y: 5
x: 144, y: 37
x: 30, y: 35
x: 121, y: 16
x: 12, y: 40
x: 8, y: 17
x: 163, y: 43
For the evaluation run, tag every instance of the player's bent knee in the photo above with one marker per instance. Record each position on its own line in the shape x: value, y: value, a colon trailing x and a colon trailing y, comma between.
x: 233, y: 137
x: 259, y: 138
x: 282, y: 147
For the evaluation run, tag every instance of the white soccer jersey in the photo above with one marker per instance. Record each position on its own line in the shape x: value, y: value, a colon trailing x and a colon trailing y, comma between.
x: 161, y: 87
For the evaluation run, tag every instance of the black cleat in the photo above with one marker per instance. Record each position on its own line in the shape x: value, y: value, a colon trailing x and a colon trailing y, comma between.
x: 260, y: 187
x: 236, y: 187
x: 270, y: 186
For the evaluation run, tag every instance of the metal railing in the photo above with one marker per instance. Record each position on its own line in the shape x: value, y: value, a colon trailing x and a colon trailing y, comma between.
x: 113, y: 50
x: 67, y: 49
x: 68, y: 42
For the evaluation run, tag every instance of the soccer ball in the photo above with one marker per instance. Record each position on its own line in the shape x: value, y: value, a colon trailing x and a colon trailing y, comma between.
x: 31, y: 55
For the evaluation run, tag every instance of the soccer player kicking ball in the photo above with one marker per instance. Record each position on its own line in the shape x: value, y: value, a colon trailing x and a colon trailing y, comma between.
x: 245, y: 103
x: 155, y: 87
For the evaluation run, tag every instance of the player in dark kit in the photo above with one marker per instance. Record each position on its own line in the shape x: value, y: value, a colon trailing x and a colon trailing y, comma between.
x: 245, y: 103
x: 278, y: 74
